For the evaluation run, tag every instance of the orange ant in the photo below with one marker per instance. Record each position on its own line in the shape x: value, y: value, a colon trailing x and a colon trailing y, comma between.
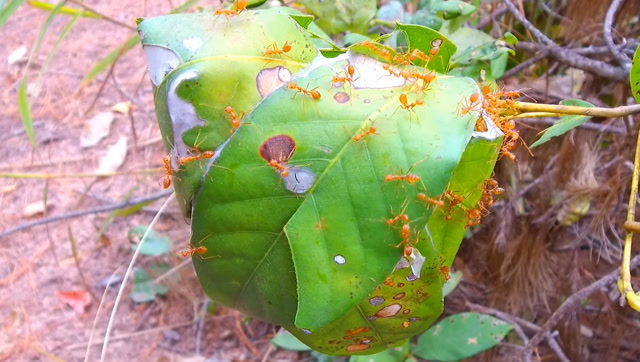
x: 409, y: 177
x: 473, y: 217
x: 199, y: 250
x: 312, y: 93
x: 337, y: 81
x: 205, y: 154
x: 404, y: 104
x: 279, y: 167
x: 409, y: 106
x: 277, y: 151
x: 166, y: 180
x: 358, y: 137
x: 455, y: 200
x: 417, y: 54
x: 427, y: 199
x: 235, y: 120
x: 273, y: 49
x: 435, y: 46
x: 241, y: 5
x: 444, y: 270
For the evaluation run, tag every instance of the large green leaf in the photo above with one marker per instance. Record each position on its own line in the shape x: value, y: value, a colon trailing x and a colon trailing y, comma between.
x: 201, y: 63
x: 635, y: 75
x: 461, y: 336
x: 300, y: 236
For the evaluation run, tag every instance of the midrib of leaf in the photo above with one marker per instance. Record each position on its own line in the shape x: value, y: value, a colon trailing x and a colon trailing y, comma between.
x: 253, y: 272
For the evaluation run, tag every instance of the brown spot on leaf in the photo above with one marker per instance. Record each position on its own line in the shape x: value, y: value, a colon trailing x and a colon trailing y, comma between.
x: 358, y: 330
x: 388, y: 311
x: 399, y: 295
x: 341, y: 97
x: 278, y: 148
x: 356, y: 347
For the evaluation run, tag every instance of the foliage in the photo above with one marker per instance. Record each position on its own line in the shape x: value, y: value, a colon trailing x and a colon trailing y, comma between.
x: 155, y: 244
x: 635, y: 76
x: 296, y: 173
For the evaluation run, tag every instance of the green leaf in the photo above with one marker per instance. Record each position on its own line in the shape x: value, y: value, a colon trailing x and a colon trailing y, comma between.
x: 8, y: 10
x: 341, y: 15
x: 301, y: 234
x: 25, y: 113
x: 155, y: 244
x: 509, y: 38
x: 453, y: 8
x: 144, y: 289
x: 565, y: 123
x: 286, y: 340
x: 634, y: 75
x: 303, y: 20
x: 425, y: 39
x: 461, y: 336
x: 454, y: 279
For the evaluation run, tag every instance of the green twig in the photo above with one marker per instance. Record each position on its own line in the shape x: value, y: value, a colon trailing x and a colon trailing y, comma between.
x: 557, y: 109
x: 624, y: 283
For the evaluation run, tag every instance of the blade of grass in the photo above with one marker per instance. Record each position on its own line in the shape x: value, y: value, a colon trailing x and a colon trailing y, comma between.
x: 23, y: 102
x: 63, y: 35
x: 131, y: 42
x: 25, y: 113
x: 8, y: 10
x: 65, y: 10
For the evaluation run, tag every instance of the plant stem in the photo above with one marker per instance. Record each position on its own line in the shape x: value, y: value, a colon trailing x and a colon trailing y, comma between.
x: 624, y: 283
x: 524, y: 107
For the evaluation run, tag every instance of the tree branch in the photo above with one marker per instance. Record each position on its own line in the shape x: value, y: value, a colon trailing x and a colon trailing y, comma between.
x: 79, y: 213
x: 608, y: 37
x: 568, y: 57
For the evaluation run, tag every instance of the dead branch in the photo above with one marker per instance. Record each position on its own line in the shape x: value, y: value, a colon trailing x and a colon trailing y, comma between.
x: 568, y: 57
x: 608, y: 37
x: 71, y: 215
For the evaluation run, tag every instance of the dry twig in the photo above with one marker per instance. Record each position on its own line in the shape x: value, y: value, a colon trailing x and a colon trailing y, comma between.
x: 568, y: 57
x: 71, y: 215
x: 608, y: 37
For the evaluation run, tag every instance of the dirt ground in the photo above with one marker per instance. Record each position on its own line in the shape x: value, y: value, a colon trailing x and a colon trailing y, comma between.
x: 37, y: 263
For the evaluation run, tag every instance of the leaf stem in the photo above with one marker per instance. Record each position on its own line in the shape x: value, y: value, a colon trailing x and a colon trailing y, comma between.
x: 524, y: 107
x: 624, y: 283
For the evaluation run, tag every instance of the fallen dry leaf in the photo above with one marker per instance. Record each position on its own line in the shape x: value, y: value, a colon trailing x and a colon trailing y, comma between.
x: 34, y: 209
x: 114, y: 158
x: 95, y: 129
x: 122, y: 107
x: 17, y: 55
x: 78, y: 300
